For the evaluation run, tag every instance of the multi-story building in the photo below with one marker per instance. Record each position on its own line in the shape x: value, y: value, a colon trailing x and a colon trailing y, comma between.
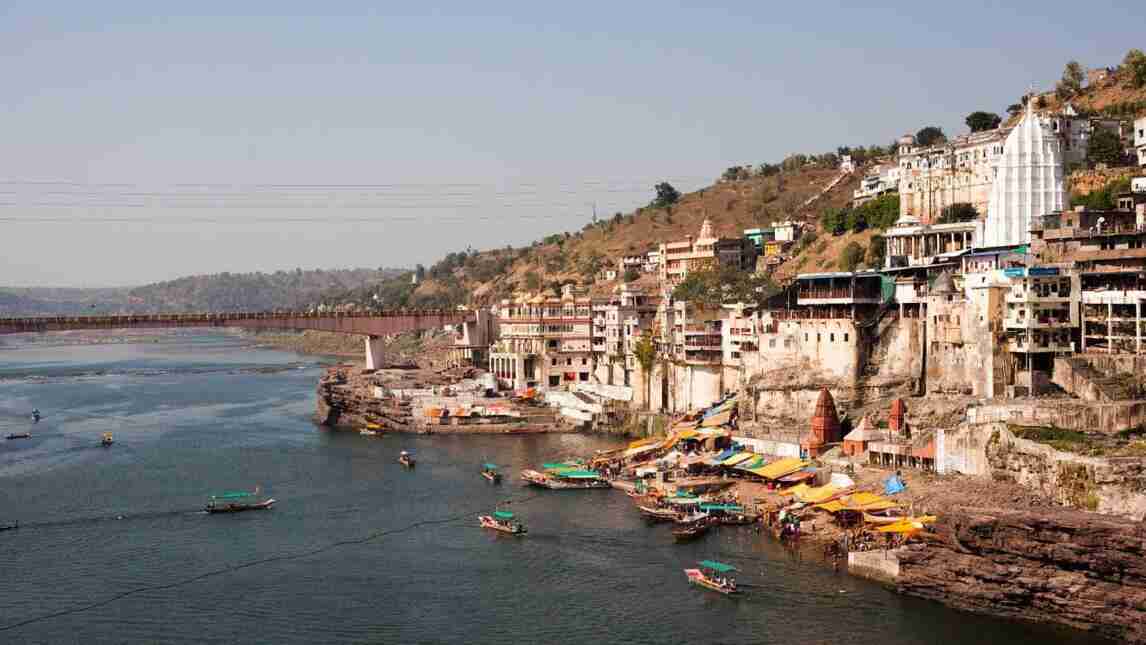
x: 703, y: 252
x: 965, y: 168
x: 618, y: 324
x: 544, y: 342
x: 960, y: 170
x: 883, y: 178
x: 1140, y: 140
x: 910, y: 245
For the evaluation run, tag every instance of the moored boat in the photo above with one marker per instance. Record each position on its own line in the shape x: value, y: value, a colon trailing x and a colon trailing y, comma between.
x: 20, y: 435
x: 406, y: 458
x: 713, y: 575
x: 565, y: 478
x: 490, y: 472
x: 691, y: 527
x: 503, y: 521
x: 106, y: 440
x: 237, y: 502
x: 10, y: 527
x: 659, y: 514
x: 367, y: 432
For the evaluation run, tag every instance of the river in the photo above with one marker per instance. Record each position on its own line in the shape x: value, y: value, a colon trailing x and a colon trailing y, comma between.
x: 113, y: 546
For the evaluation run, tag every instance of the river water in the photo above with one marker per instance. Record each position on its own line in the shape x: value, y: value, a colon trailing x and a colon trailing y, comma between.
x: 113, y: 547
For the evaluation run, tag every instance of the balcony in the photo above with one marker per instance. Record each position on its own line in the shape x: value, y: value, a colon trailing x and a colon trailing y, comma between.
x: 838, y: 296
x: 1036, y: 296
x: 1038, y: 322
x: 1048, y: 347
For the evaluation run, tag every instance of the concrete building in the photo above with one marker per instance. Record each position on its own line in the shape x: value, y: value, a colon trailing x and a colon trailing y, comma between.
x: 544, y: 342
x: 1029, y: 183
x: 618, y: 324
x: 961, y: 170
x: 911, y: 245
x: 1140, y: 140
x: 883, y: 178
x: 1040, y: 320
x: 703, y: 252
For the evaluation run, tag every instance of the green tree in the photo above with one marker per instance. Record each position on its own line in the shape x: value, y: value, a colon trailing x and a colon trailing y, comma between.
x: 645, y: 351
x: 1014, y: 108
x: 833, y: 220
x: 666, y: 195
x: 1071, y: 83
x: 876, y: 251
x: 959, y: 212
x: 724, y: 284
x: 532, y: 281
x: 1135, y: 66
x: 979, y: 121
x: 851, y: 256
x: 735, y: 173
x: 631, y: 275
x: 1105, y: 147
x: 930, y: 136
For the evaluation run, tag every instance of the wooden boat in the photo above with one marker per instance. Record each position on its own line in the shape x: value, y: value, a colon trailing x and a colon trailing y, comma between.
x: 659, y: 514
x: 106, y: 440
x: 490, y: 472
x: 237, y: 502
x: 691, y: 527
x: 10, y: 527
x: 565, y: 479
x: 20, y: 435
x: 712, y: 575
x: 368, y: 432
x: 407, y: 459
x: 503, y: 521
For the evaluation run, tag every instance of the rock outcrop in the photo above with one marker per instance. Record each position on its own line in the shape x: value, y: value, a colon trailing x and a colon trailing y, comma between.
x: 1056, y: 566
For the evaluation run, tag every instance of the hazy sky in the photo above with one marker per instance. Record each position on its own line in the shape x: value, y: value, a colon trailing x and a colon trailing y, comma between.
x: 141, y: 146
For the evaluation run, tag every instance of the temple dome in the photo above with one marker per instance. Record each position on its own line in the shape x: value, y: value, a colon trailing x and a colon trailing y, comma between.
x: 1028, y: 183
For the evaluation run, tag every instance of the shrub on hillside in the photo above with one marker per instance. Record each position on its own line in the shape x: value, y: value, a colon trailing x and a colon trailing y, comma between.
x: 850, y: 256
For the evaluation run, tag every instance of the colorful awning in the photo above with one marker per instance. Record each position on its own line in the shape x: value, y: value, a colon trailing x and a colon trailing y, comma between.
x: 737, y: 458
x: 781, y: 467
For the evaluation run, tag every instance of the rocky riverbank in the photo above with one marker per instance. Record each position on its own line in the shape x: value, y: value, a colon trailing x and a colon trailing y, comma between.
x: 1062, y: 566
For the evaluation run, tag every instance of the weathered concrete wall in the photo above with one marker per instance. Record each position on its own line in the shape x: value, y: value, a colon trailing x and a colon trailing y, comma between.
x: 964, y: 449
x: 1068, y: 567
x: 881, y: 566
x: 1075, y: 378
x: 1111, y: 486
x: 1107, y: 418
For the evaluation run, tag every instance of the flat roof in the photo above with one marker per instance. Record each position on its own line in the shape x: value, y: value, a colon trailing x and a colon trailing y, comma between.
x: 836, y: 274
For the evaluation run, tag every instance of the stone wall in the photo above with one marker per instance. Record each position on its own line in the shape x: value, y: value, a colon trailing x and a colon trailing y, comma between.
x: 1108, y: 485
x: 1107, y: 418
x: 1067, y: 567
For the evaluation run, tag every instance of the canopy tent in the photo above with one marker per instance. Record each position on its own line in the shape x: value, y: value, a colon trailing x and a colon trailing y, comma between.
x: 233, y: 494
x: 798, y: 489
x: 907, y: 525
x: 858, y: 502
x: 799, y: 476
x: 724, y: 454
x: 650, y: 441
x: 717, y: 566
x: 687, y: 434
x: 737, y: 458
x: 503, y: 515
x: 717, y: 420
x: 818, y: 494
x: 558, y: 466
x: 640, y: 450
x: 733, y: 508
x: 489, y: 466
x: 781, y: 467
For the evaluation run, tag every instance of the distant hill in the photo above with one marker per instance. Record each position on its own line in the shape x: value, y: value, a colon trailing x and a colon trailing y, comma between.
x: 217, y: 292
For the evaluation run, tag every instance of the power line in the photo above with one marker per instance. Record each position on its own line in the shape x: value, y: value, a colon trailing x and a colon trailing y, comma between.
x: 245, y: 565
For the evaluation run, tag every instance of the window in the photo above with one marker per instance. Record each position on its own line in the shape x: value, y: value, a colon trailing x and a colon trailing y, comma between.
x: 584, y: 361
x: 845, y: 338
x: 832, y: 337
x: 805, y: 337
x: 569, y: 361
x: 817, y: 337
x: 584, y: 376
x: 772, y: 342
x: 554, y: 362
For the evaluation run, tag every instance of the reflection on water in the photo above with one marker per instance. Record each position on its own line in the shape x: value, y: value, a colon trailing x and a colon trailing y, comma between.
x: 194, y: 415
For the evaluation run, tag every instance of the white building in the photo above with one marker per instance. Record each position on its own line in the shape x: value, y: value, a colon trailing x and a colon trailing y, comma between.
x: 1028, y: 183
x: 1140, y: 140
x: 881, y: 179
x: 786, y: 231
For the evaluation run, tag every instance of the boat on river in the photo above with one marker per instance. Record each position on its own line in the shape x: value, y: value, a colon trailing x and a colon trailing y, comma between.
x: 20, y: 435
x: 106, y: 440
x: 565, y: 479
x: 237, y: 502
x: 406, y: 458
x: 490, y: 472
x: 659, y: 514
x: 713, y: 575
x: 503, y: 521
x: 10, y: 527
x: 691, y: 527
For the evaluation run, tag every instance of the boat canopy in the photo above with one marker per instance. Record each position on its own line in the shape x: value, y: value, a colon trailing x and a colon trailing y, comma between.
x: 735, y: 508
x: 232, y: 494
x: 717, y: 566
x: 503, y: 515
x: 578, y: 474
x: 489, y: 466
x: 566, y: 466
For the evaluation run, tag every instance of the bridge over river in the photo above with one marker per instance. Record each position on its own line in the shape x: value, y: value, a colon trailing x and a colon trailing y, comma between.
x: 371, y: 325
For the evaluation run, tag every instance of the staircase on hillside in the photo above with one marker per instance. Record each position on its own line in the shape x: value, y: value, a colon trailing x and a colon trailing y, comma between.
x: 1110, y: 387
x: 832, y: 184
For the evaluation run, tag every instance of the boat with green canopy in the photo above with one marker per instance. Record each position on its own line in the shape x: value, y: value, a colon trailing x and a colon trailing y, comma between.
x: 713, y: 575
x: 565, y: 478
x: 503, y: 521
x: 490, y: 472
x: 236, y: 501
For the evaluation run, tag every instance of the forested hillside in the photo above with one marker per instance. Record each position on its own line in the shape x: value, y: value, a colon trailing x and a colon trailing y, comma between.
x: 217, y: 292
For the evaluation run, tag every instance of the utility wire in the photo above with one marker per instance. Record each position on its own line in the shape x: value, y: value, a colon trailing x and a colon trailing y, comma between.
x: 245, y: 565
